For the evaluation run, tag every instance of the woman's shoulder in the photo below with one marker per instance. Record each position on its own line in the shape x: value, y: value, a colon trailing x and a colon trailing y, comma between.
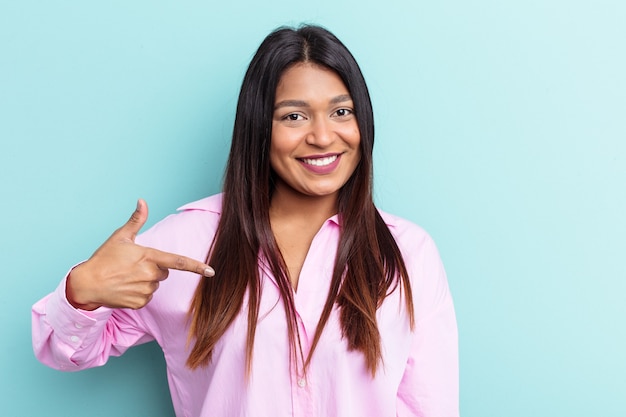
x: 211, y: 204
x: 192, y: 224
x: 406, y: 232
x: 421, y: 256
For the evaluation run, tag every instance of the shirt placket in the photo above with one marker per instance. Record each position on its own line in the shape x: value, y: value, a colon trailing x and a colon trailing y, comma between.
x: 309, y: 302
x: 301, y: 387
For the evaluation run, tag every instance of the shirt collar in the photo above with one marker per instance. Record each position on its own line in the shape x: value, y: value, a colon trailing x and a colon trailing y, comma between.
x: 212, y: 204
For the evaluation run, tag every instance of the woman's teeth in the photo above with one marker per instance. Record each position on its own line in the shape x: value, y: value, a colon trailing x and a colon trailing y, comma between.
x: 320, y: 162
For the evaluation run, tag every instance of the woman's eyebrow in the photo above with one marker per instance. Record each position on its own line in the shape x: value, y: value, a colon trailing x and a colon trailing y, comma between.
x: 341, y: 99
x: 291, y: 103
x: 301, y: 103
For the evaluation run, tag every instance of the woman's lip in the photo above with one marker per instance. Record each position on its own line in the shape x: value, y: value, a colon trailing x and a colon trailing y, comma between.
x: 326, y: 155
x: 321, y: 164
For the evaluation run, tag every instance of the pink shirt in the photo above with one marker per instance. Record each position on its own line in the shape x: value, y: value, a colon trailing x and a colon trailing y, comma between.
x: 419, y: 375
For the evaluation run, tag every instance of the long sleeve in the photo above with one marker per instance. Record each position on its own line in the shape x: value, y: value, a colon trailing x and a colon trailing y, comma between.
x: 430, y: 384
x: 71, y: 339
x: 68, y: 339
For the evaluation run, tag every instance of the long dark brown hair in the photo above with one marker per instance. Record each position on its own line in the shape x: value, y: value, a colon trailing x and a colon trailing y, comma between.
x: 368, y: 265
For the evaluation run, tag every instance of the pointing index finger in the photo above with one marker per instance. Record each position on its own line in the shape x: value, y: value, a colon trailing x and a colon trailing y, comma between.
x: 181, y: 263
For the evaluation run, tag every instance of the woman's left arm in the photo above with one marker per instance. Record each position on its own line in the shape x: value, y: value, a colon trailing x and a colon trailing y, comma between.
x: 430, y: 384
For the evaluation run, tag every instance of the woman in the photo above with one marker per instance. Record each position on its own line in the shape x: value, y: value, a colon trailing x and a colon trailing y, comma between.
x: 315, y: 302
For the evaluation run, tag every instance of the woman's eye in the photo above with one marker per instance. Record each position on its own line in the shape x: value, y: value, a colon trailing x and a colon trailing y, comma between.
x: 293, y: 117
x: 343, y: 112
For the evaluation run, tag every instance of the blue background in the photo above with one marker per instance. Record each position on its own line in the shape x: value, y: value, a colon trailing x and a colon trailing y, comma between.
x: 500, y: 129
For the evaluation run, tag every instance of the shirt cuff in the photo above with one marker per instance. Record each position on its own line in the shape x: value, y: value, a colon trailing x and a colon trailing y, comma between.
x: 73, y: 326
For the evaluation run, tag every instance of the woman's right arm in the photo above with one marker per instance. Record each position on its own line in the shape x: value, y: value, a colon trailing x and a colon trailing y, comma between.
x: 70, y: 339
x: 91, y: 314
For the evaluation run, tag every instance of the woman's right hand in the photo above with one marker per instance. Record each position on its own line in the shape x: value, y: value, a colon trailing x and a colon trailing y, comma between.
x: 122, y: 274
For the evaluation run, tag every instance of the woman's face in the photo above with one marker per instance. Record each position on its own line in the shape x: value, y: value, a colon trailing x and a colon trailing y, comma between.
x: 315, y: 137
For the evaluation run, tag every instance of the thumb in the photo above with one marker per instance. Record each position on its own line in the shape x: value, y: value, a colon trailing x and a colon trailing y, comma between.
x: 136, y: 221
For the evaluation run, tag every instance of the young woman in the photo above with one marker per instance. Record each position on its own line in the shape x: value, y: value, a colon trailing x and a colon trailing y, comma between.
x: 315, y: 303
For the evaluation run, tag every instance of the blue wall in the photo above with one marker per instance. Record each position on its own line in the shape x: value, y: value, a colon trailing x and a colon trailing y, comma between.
x: 500, y: 128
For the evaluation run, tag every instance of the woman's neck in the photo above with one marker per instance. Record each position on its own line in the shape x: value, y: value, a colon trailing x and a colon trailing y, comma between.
x: 295, y: 220
x: 288, y: 204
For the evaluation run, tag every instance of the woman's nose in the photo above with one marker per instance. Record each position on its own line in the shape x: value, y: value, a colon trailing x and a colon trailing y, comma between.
x: 321, y: 133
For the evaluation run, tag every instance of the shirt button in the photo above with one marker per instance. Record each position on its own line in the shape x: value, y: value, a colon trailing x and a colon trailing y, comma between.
x: 74, y: 339
x: 301, y: 382
x: 78, y: 325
